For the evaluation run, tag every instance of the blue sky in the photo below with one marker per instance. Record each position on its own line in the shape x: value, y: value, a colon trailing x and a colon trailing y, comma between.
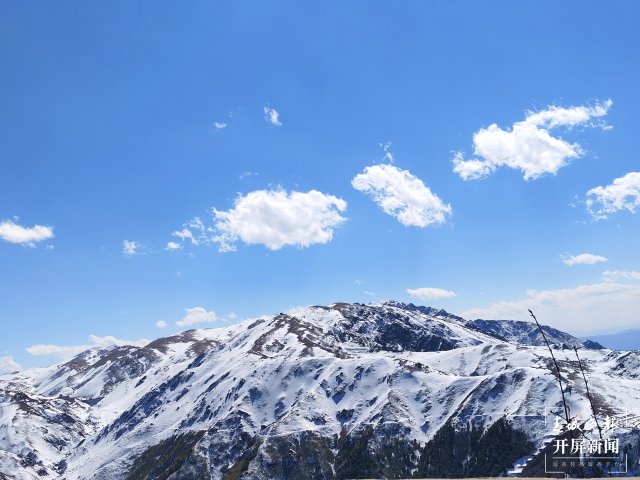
x: 108, y: 133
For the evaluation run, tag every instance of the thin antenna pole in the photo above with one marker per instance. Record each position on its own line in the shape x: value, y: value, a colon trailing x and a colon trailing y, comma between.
x: 588, y: 394
x: 564, y: 402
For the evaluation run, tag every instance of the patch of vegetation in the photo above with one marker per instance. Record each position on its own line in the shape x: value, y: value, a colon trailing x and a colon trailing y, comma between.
x: 160, y: 461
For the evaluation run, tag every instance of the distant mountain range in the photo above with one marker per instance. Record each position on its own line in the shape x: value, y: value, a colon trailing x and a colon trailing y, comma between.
x: 386, y: 390
x: 625, y: 340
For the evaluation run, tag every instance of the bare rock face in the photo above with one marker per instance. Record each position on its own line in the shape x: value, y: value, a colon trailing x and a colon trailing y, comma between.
x: 342, y: 391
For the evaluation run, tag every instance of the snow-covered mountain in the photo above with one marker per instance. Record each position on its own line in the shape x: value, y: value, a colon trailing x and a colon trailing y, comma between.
x: 341, y: 391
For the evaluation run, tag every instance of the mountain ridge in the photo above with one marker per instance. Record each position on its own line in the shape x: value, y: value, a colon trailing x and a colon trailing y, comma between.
x: 341, y: 380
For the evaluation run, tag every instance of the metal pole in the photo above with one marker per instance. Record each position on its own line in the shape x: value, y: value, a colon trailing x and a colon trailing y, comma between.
x: 588, y: 394
x: 564, y: 402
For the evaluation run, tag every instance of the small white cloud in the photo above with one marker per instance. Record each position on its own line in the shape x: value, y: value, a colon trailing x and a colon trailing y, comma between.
x: 622, y: 194
x: 585, y: 307
x: 9, y: 365
x: 184, y: 234
x: 371, y: 294
x: 275, y: 218
x: 109, y: 341
x: 584, y: 259
x: 66, y: 352
x: 430, y: 293
x: 246, y: 174
x: 610, y: 275
x: 131, y: 248
x: 219, y: 125
x: 196, y: 315
x: 529, y: 146
x: 388, y: 154
x: 161, y: 324
x: 173, y: 246
x: 402, y: 195
x: 232, y: 315
x: 195, y: 231
x: 14, y: 233
x: 272, y: 116
x: 60, y: 351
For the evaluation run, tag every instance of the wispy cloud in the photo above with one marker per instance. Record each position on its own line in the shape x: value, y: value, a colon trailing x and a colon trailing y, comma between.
x: 388, y: 154
x: 272, y: 116
x: 186, y: 233
x: 528, y: 145
x: 584, y: 259
x: 131, y: 248
x: 610, y: 275
x: 219, y: 125
x: 584, y: 307
x: 402, y: 195
x: 196, y: 315
x: 622, y: 194
x: 161, y: 324
x: 14, y: 233
x: 276, y: 218
x: 244, y: 175
x: 9, y: 365
x: 109, y: 341
x: 430, y: 293
x: 61, y: 351
x: 66, y: 352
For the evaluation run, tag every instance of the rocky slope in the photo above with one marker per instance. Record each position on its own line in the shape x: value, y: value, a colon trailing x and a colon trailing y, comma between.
x: 344, y: 391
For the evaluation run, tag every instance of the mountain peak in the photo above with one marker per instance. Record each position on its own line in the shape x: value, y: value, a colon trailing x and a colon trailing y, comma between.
x: 313, y: 379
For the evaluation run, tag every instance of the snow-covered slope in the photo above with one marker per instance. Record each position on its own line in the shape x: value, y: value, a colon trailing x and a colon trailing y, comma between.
x: 291, y: 393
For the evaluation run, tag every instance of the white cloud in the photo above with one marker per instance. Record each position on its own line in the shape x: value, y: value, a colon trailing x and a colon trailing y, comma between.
x: 196, y: 315
x: 430, y: 293
x: 622, y: 194
x: 246, y: 174
x: 9, y: 365
x: 14, y: 233
x: 67, y: 352
x: 219, y: 125
x: 161, y: 324
x: 109, y: 341
x: 232, y: 315
x: 275, y: 218
x: 131, y: 248
x: 584, y: 259
x: 173, y: 246
x: 402, y: 195
x: 184, y: 234
x: 621, y: 275
x: 529, y: 146
x: 187, y: 233
x: 585, y: 307
x: 60, y: 351
x: 272, y: 116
